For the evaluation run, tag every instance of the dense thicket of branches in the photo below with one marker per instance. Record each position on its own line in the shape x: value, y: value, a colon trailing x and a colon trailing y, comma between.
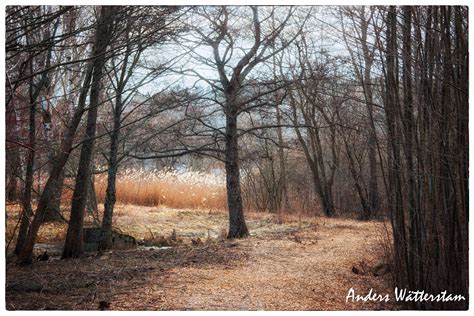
x: 329, y: 111
x: 427, y: 124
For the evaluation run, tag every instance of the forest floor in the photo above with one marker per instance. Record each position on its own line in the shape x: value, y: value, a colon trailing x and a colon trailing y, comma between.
x: 300, y: 264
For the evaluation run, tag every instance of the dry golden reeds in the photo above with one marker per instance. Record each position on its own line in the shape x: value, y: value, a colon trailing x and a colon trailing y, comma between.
x: 190, y: 189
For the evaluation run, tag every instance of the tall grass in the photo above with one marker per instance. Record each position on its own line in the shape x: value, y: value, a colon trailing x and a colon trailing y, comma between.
x: 189, y: 189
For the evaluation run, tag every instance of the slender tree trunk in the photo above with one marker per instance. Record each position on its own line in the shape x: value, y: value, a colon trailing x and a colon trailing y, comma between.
x: 13, y: 169
x: 320, y: 176
x: 372, y: 139
x: 52, y: 183
x: 74, y: 246
x: 372, y: 142
x: 91, y: 203
x: 13, y: 156
x: 110, y: 194
x: 283, y: 187
x: 410, y: 138
x: 462, y: 144
x: 110, y: 198
x: 395, y: 196
x: 366, y: 211
x: 365, y: 78
x: 26, y: 202
x: 35, y: 89
x: 313, y: 158
x: 319, y: 184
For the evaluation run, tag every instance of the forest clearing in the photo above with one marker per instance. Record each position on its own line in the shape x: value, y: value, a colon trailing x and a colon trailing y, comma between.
x: 236, y: 157
x: 304, y: 263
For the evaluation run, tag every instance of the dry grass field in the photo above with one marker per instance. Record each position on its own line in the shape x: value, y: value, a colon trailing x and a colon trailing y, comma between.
x: 290, y: 262
x: 190, y: 189
x: 300, y: 264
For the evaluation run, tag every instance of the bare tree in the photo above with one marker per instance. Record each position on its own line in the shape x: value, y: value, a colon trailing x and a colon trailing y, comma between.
x: 311, y: 114
x: 60, y: 160
x: 73, y: 246
x: 140, y: 34
x: 36, y: 87
x: 361, y: 19
x: 234, y: 65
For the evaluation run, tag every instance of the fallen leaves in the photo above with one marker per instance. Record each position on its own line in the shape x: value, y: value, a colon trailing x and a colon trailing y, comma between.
x: 294, y: 266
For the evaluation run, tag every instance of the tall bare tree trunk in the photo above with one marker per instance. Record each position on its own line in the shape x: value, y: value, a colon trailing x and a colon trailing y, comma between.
x: 74, y: 246
x: 237, y: 225
x: 410, y: 139
x: 26, y: 199
x: 110, y: 193
x: 395, y: 197
x: 53, y: 180
x: 283, y: 185
x: 35, y: 89
x: 374, y: 200
x: 313, y: 153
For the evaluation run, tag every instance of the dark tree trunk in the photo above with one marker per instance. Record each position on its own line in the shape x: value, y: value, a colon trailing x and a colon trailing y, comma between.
x: 74, y: 247
x: 91, y: 203
x: 53, y: 210
x: 395, y: 196
x: 283, y: 183
x: 414, y: 230
x: 366, y: 210
x: 234, y: 104
x: 110, y: 194
x: 373, y: 185
x: 13, y: 156
x: 11, y: 187
x: 237, y: 225
x: 328, y: 206
x: 35, y: 89
x: 373, y: 195
x: 319, y: 186
x: 52, y: 183
x: 13, y: 169
x: 321, y: 176
x: 26, y: 202
x: 322, y: 187
x: 110, y: 198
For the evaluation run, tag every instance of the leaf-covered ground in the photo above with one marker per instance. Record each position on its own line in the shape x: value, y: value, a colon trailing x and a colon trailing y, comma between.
x: 302, y: 264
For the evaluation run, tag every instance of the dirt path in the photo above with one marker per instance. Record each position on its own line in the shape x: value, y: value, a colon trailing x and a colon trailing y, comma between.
x: 309, y: 270
x: 306, y: 269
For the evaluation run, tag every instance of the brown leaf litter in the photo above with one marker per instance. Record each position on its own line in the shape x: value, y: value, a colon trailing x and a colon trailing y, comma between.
x: 303, y: 266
